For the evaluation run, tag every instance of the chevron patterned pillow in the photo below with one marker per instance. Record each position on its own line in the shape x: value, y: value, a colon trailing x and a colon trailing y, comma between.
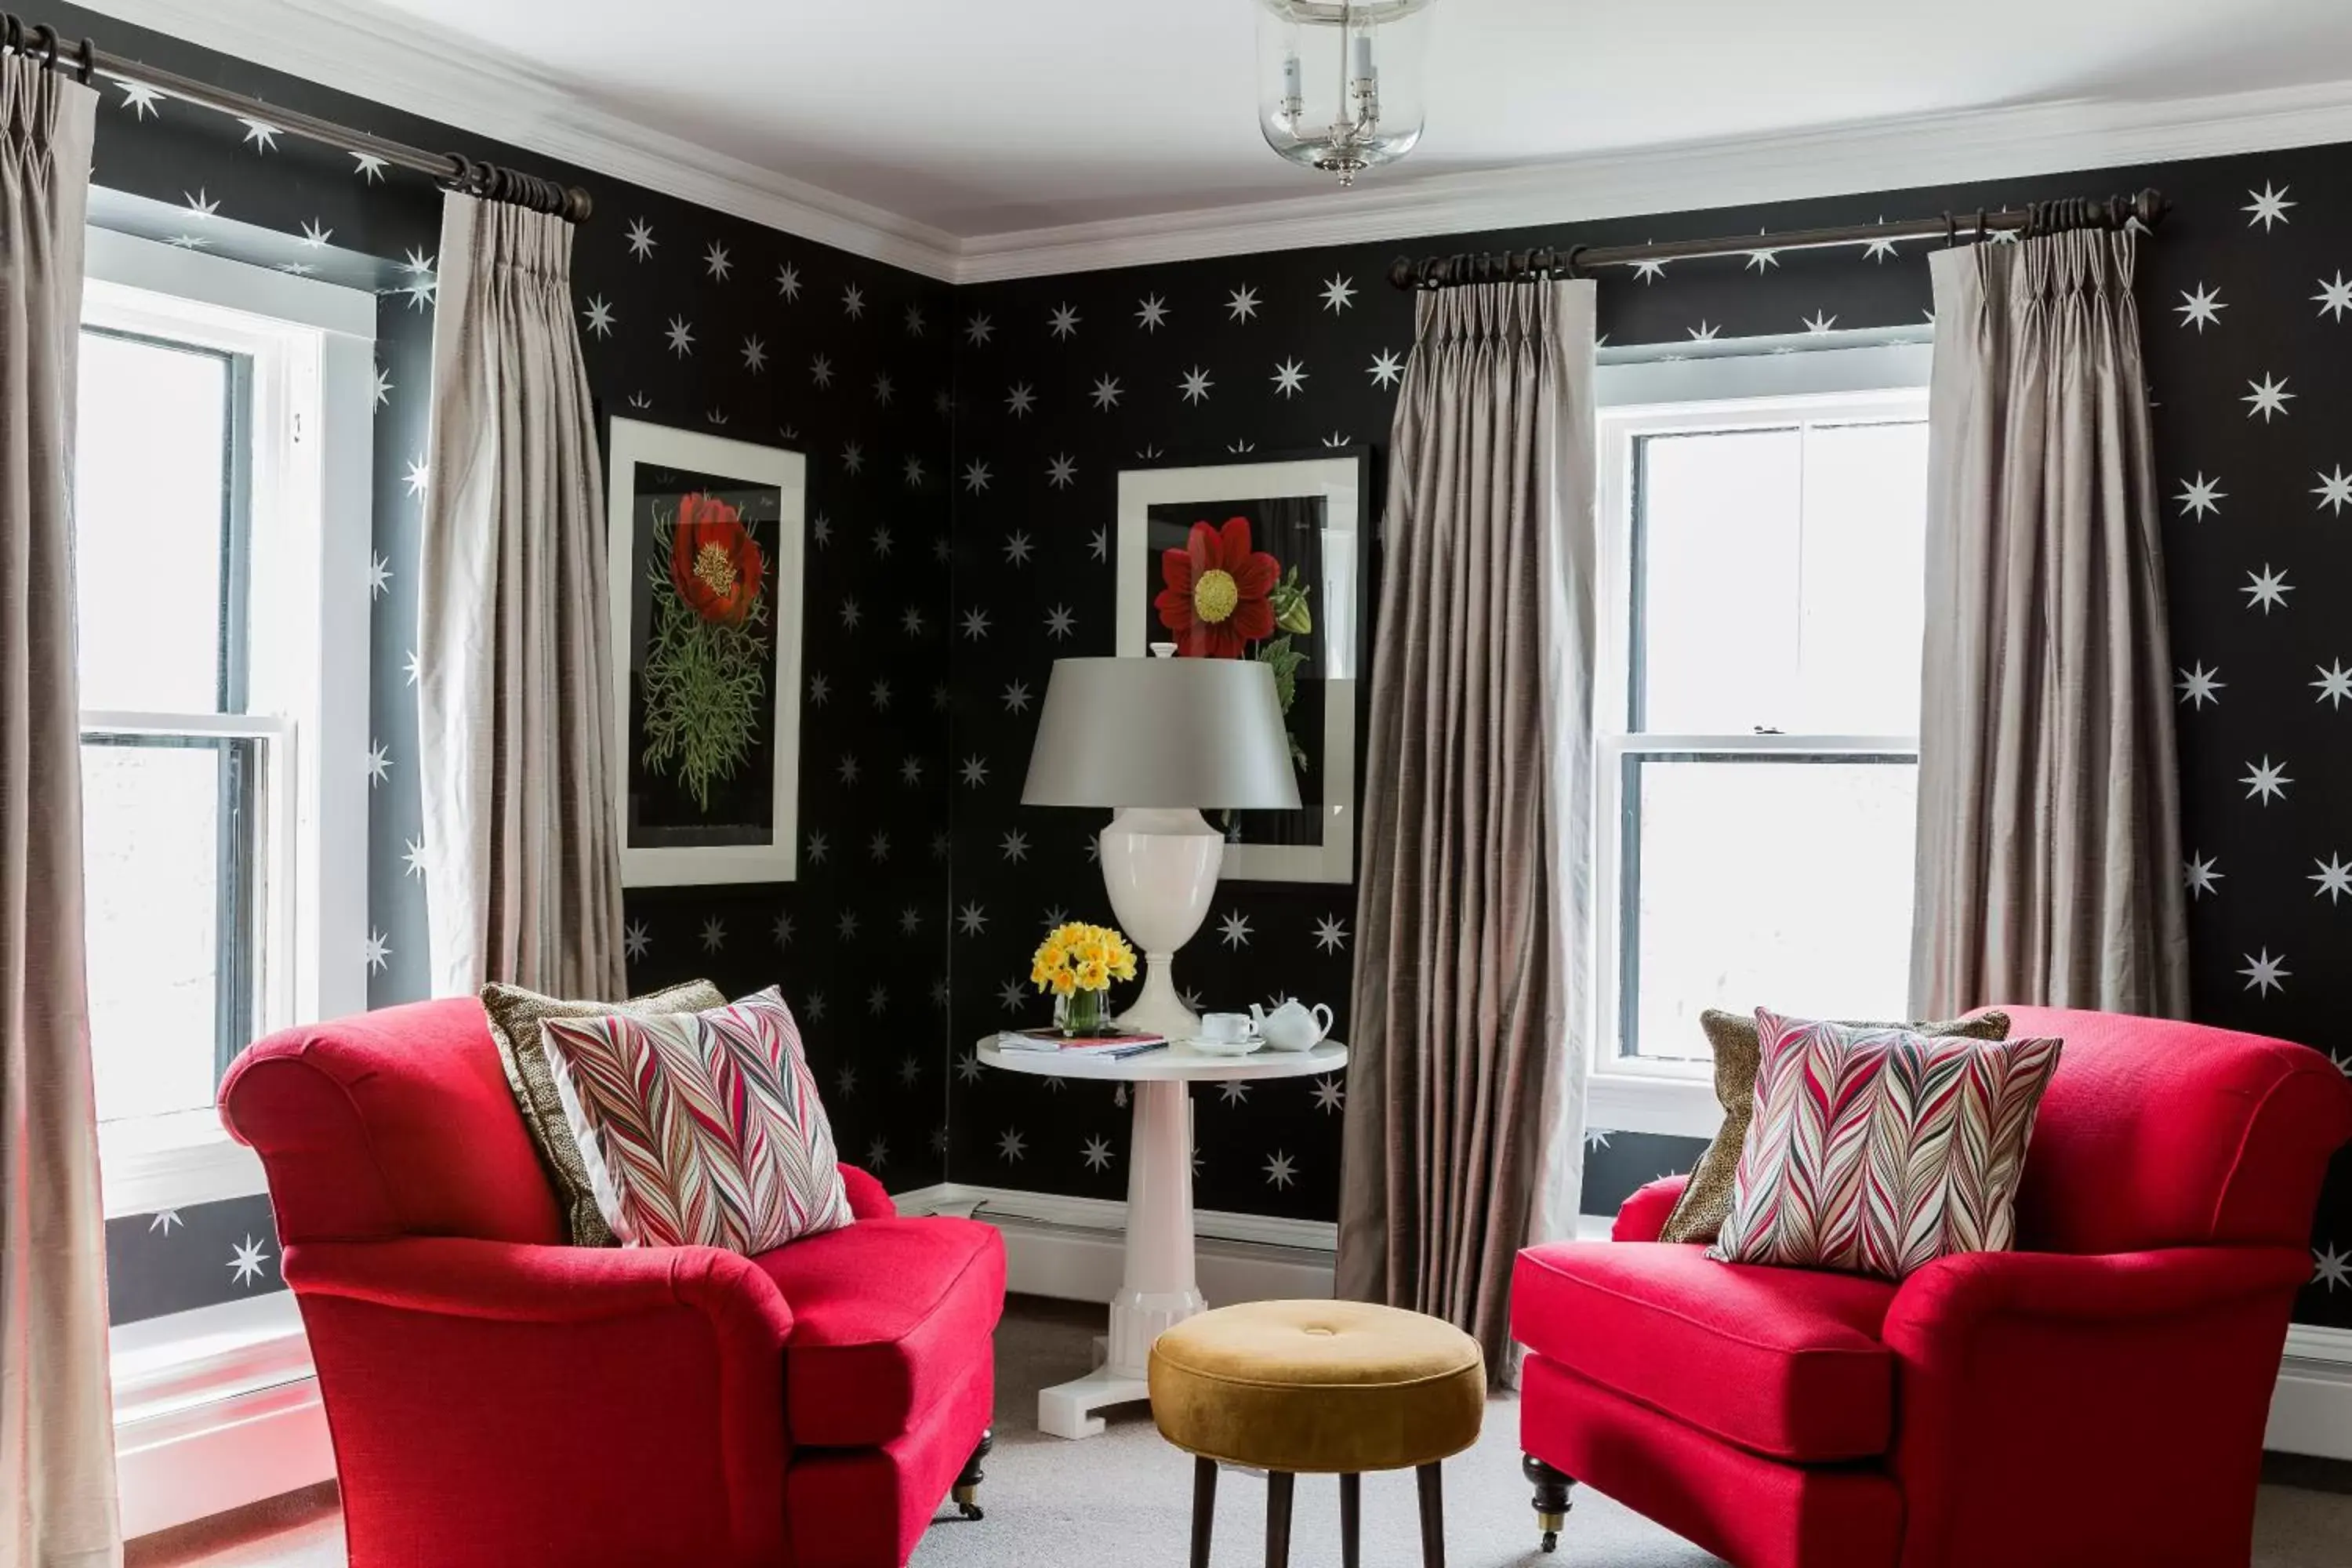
x: 1876, y: 1151
x: 699, y: 1129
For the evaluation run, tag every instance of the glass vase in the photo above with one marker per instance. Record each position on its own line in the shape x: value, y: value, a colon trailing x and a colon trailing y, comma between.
x: 1082, y: 1013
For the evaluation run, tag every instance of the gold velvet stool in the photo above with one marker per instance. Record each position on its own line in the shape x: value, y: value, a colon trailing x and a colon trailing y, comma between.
x: 1318, y: 1388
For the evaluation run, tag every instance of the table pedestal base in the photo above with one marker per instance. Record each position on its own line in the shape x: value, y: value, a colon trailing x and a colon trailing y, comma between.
x: 1159, y: 1289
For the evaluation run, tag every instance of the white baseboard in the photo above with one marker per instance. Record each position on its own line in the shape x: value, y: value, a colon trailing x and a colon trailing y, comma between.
x: 2311, y: 1413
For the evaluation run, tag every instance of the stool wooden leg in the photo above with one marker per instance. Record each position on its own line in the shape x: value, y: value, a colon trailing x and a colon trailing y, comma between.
x: 1352, y: 1519
x: 1278, y: 1484
x: 1432, y: 1515
x: 1205, y: 1509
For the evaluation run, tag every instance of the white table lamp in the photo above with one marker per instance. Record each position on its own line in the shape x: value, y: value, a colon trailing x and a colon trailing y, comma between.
x: 1159, y: 739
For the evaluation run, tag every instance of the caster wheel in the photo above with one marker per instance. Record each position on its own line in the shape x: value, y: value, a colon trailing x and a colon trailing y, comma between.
x: 969, y: 1511
x: 1551, y: 1540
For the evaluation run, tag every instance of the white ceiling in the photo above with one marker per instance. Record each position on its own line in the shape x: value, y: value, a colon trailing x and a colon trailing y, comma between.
x: 982, y: 117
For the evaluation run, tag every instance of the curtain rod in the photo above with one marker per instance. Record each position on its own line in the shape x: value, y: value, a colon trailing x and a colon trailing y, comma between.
x: 454, y: 170
x: 2146, y: 209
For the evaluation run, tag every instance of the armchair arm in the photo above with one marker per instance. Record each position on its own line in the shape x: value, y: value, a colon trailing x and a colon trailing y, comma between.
x: 1642, y: 1216
x: 495, y: 1378
x: 2028, y: 1384
x: 868, y: 1199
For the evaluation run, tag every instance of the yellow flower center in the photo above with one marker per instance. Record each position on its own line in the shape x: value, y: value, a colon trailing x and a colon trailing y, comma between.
x: 1214, y: 596
x: 711, y: 566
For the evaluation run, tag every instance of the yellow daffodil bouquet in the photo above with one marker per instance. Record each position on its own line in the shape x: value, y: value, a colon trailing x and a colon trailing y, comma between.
x: 1078, y: 962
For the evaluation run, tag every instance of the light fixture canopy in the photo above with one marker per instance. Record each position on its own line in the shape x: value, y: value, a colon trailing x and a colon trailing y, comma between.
x: 1339, y: 81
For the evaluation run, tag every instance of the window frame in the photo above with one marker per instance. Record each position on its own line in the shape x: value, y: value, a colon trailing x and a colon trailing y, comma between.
x: 1874, y: 382
x: 307, y: 351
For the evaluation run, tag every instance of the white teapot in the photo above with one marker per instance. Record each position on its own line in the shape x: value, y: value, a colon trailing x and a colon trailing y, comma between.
x: 1292, y: 1026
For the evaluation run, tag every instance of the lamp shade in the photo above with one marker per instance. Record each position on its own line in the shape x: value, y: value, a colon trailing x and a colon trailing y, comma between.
x: 1164, y: 732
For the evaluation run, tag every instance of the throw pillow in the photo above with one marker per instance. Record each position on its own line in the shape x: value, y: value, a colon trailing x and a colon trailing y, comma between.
x: 1705, y: 1202
x: 515, y: 1017
x: 700, y: 1129
x: 1879, y: 1150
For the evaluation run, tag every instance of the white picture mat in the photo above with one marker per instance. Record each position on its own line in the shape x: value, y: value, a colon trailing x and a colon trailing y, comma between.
x: 633, y: 442
x: 1338, y: 480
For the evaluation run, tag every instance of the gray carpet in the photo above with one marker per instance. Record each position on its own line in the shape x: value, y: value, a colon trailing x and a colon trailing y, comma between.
x: 1126, y: 1498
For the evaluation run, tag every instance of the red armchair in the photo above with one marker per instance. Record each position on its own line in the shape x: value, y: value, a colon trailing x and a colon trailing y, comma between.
x: 2097, y: 1396
x: 498, y: 1398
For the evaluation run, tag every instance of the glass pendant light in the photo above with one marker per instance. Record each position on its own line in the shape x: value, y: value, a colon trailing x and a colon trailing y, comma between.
x: 1339, y: 80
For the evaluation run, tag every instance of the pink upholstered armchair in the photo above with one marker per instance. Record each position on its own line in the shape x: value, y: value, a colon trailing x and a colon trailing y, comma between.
x: 499, y: 1399
x: 2096, y: 1397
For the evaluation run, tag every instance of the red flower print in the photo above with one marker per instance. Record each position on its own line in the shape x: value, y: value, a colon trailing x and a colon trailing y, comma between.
x: 714, y: 560
x: 1216, y: 600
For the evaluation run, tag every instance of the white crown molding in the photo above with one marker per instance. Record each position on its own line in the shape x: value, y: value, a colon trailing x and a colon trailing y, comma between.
x: 419, y: 70
x: 393, y: 61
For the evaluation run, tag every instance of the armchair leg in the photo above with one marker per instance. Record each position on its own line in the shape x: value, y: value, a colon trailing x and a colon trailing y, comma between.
x: 966, y: 1486
x: 1552, y: 1499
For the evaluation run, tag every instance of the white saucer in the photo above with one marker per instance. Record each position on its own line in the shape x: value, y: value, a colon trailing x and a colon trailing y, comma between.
x: 1240, y: 1047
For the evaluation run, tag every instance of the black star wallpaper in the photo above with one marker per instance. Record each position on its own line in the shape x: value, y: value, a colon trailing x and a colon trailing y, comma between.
x: 964, y: 446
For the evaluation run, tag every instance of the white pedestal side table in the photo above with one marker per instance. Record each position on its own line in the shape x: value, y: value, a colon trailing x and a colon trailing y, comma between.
x: 1160, y: 1288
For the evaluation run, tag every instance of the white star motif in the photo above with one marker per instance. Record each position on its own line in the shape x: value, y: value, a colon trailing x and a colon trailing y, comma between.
x: 2266, y: 588
x: 914, y: 320
x: 1331, y: 934
x: 2333, y: 685
x: 975, y: 476
x: 1339, y: 293
x: 1328, y: 1094
x: 1096, y: 1154
x: 877, y: 1153
x: 379, y: 765
x: 1062, y: 471
x: 2269, y: 396
x: 379, y: 575
x: 1337, y: 438
x: 2334, y: 490
x: 821, y: 372
x: 911, y: 622
x: 853, y: 302
x: 1017, y: 549
x: 2267, y: 781
x: 1649, y: 271
x: 1019, y: 399
x: 1064, y: 322
x: 1106, y: 393
x: 847, y: 1079
x: 138, y: 98
x: 1386, y: 369
x: 972, y: 920
x: 878, y: 849
x: 164, y: 1220
x: 198, y: 206
x: 782, y: 931
x: 817, y: 848
x: 412, y: 855
x: 1196, y: 385
x: 1280, y: 1170
x: 2264, y: 973
x: 384, y: 389
x: 1242, y: 303
x: 1016, y: 696
x: 2201, y: 495
x: 1060, y: 621
x: 883, y: 390
x: 1288, y: 379
x: 1233, y: 1092
x: 1819, y: 323
x: 968, y: 1067
x: 2334, y: 297
x: 1013, y: 996
x: 378, y: 951
x: 714, y: 934
x: 1015, y: 845
x: 1098, y: 544
x: 634, y: 940
x: 2200, y: 309
x: 975, y: 623
x: 413, y: 668
x: 975, y: 772
x: 1233, y: 930
x: 788, y: 281
x: 245, y: 1262
x: 2197, y: 874
x: 851, y: 614
x: 2331, y: 1268
x: 368, y: 167
x: 1761, y: 261
x: 977, y: 330
x: 1010, y: 1147
x: 816, y: 1005
x: 913, y: 470
x: 2269, y: 206
x: 600, y: 317
x: 314, y: 236
x: 1149, y: 312
x: 755, y: 355
x: 2198, y: 686
x: 1703, y: 332
x: 911, y: 771
x: 260, y: 134
x: 190, y: 242
x: 681, y: 337
x: 2334, y: 877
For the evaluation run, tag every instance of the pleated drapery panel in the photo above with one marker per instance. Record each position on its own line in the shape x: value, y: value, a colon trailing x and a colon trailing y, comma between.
x: 2049, y: 809
x: 514, y: 713
x: 58, y: 1506
x: 1464, y: 1073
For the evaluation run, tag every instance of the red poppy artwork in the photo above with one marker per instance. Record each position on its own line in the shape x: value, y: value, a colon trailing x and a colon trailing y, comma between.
x: 714, y: 561
x: 1218, y: 597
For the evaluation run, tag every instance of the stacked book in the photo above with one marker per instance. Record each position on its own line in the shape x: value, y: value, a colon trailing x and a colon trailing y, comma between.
x: 1107, y: 1043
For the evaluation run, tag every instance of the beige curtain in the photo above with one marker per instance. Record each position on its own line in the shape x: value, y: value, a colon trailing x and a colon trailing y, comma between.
x: 1464, y: 1086
x: 2048, y: 815
x: 57, y: 1416
x: 522, y: 844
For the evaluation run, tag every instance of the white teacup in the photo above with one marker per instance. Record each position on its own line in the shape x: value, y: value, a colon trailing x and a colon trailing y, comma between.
x: 1227, y: 1028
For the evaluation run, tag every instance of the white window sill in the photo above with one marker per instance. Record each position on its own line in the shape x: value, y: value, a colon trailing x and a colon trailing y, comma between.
x: 174, y: 1161
x: 1627, y: 1101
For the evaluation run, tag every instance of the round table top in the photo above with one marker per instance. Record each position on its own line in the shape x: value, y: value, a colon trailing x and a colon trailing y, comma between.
x: 1176, y: 1062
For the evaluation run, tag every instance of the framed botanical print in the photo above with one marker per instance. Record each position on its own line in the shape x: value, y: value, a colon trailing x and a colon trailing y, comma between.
x: 705, y: 542
x: 1262, y: 561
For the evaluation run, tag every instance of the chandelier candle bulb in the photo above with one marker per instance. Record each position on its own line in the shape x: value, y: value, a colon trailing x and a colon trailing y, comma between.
x: 1340, y: 81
